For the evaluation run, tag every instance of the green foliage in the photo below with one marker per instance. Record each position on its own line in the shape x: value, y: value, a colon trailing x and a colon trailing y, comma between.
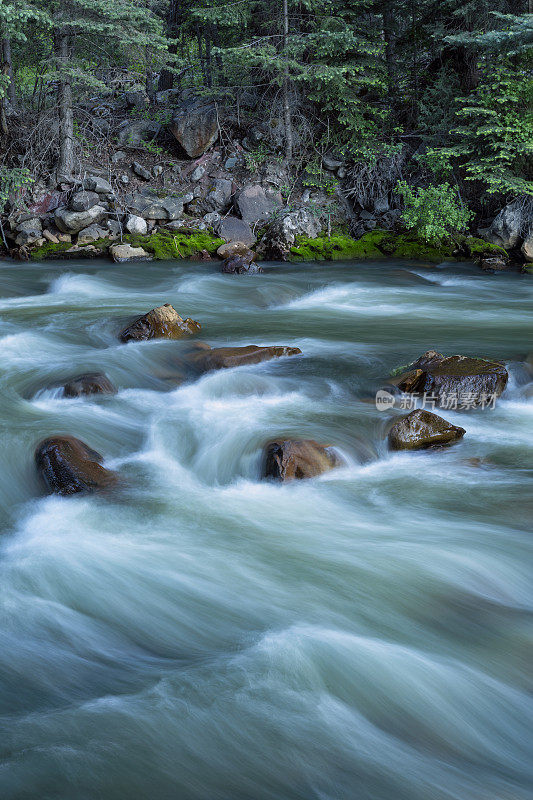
x: 12, y: 181
x: 434, y: 213
x: 315, y: 177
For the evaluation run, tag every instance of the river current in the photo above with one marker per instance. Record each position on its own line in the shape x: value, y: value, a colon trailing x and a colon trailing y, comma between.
x: 201, y: 634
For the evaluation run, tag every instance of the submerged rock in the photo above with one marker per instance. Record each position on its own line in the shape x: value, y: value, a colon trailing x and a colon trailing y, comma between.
x: 241, y: 265
x: 208, y: 358
x: 68, y: 466
x: 421, y: 429
x: 297, y: 459
x: 455, y: 381
x: 162, y: 322
x: 91, y: 383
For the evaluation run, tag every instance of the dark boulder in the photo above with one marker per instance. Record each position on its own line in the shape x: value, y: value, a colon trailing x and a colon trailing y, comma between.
x: 471, y: 381
x: 421, y: 429
x: 292, y: 459
x: 163, y: 322
x: 227, y: 357
x: 91, y: 383
x: 68, y: 466
x: 256, y: 204
x: 241, y: 265
x: 195, y: 126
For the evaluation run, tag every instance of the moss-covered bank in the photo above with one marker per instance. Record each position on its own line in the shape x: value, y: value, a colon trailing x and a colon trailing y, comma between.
x: 380, y: 244
x: 166, y: 245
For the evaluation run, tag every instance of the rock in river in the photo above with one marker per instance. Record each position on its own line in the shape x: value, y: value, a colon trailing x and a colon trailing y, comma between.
x: 68, y: 466
x: 472, y: 381
x: 295, y: 459
x: 91, y: 383
x: 162, y: 322
x: 208, y: 359
x: 241, y: 265
x: 421, y: 429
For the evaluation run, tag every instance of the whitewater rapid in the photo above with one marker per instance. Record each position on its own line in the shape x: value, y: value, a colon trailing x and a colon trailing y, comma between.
x: 200, y: 634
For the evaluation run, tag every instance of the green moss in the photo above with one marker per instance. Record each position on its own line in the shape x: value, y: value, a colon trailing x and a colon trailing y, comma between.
x: 172, y: 245
x: 59, y: 249
x: 374, y: 244
x: 478, y: 247
x: 338, y: 247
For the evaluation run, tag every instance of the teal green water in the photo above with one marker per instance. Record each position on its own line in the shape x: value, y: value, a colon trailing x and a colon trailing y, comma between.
x: 201, y: 635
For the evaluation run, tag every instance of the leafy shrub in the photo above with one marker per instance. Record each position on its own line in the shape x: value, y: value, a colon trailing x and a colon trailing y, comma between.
x: 435, y: 213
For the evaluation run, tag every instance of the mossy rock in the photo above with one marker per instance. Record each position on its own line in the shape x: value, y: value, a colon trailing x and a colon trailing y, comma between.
x: 172, y: 245
x: 475, y: 248
x: 59, y: 250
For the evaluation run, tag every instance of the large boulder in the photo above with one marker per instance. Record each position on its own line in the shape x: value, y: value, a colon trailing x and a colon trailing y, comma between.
x: 121, y: 253
x: 282, y: 232
x: 527, y: 246
x: 421, y: 429
x: 207, y: 359
x: 455, y: 381
x: 511, y: 225
x: 233, y: 229
x: 90, y: 383
x: 256, y: 204
x: 195, y: 126
x: 74, y: 221
x: 135, y: 224
x: 162, y: 322
x: 68, y: 466
x: 292, y: 459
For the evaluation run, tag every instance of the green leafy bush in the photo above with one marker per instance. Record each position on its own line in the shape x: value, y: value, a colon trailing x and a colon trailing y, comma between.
x: 434, y: 213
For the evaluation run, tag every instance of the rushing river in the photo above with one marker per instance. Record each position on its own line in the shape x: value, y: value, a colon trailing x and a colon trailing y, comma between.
x: 200, y: 634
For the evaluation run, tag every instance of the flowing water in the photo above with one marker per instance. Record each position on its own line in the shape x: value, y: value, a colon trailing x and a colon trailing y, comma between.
x: 200, y: 634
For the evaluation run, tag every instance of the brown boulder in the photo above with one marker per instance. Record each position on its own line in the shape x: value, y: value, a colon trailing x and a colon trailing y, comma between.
x: 421, y: 429
x: 91, y: 383
x: 472, y: 381
x: 68, y: 466
x: 227, y: 357
x: 162, y: 322
x: 291, y: 460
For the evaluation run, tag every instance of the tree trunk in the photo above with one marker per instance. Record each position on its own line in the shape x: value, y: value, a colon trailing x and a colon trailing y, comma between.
x: 388, y: 36
x: 65, y: 164
x: 8, y: 70
x: 286, y: 104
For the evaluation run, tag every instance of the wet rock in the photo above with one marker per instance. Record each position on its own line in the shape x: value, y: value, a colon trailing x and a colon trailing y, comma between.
x: 125, y: 252
x: 91, y: 383
x: 208, y: 359
x: 233, y: 229
x: 494, y: 263
x: 470, y: 381
x: 527, y: 247
x: 162, y: 322
x: 421, y: 429
x: 83, y: 201
x: 74, y: 221
x: 195, y: 126
x: 241, y: 265
x: 68, y: 466
x: 291, y: 459
x: 230, y: 249
x: 256, y: 204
